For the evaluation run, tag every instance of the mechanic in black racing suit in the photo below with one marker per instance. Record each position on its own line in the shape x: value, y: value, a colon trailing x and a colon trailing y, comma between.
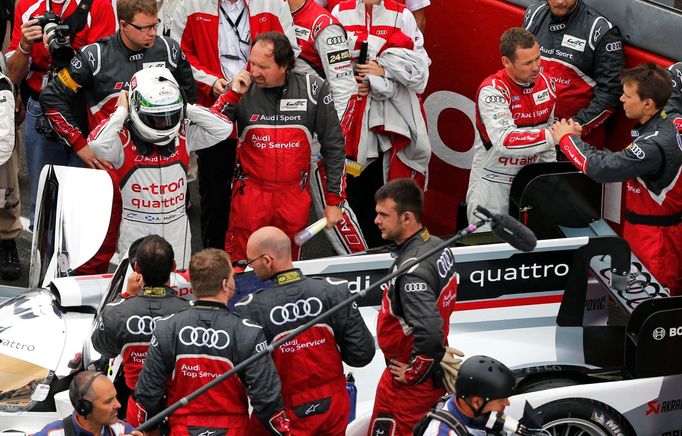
x: 414, y: 320
x: 125, y: 326
x: 193, y: 347
x: 104, y: 68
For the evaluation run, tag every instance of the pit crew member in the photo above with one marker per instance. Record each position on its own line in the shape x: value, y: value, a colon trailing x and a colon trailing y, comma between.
x: 414, y: 320
x: 125, y: 326
x: 483, y: 386
x: 514, y: 108
x: 650, y: 166
x: 277, y: 116
x: 147, y: 140
x: 582, y: 54
x: 192, y: 347
x: 93, y: 397
x: 309, y: 366
x: 216, y: 37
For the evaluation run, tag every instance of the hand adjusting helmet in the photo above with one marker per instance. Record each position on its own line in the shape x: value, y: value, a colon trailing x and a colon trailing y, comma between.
x: 157, y: 107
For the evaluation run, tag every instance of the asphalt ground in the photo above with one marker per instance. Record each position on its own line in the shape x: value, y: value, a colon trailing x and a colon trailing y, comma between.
x: 318, y: 246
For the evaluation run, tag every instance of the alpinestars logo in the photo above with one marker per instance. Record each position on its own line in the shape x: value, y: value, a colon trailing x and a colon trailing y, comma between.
x: 657, y: 407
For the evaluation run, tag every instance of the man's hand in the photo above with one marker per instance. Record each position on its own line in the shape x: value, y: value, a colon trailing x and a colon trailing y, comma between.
x: 413, y: 373
x: 565, y: 127
x: 30, y: 33
x: 371, y: 67
x: 218, y: 87
x: 333, y: 215
x: 88, y: 156
x: 363, y: 88
x: 134, y: 284
x: 241, y: 82
x: 398, y: 369
x: 122, y: 100
x: 450, y: 363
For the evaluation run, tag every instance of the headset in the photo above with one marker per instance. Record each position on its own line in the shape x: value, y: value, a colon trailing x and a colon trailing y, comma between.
x: 84, y: 407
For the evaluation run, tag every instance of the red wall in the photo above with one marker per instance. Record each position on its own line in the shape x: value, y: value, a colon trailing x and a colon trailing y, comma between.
x: 461, y: 39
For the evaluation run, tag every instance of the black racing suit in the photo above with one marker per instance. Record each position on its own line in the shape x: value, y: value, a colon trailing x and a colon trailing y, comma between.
x: 582, y: 53
x: 125, y: 327
x: 102, y: 70
x: 313, y: 384
x: 674, y: 106
x: 412, y: 328
x: 190, y: 349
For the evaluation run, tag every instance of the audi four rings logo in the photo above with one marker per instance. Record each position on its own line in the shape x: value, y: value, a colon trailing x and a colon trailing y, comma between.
x: 614, y: 46
x: 415, y: 287
x: 557, y: 27
x: 203, y: 337
x: 445, y: 262
x: 291, y: 312
x: 141, y: 325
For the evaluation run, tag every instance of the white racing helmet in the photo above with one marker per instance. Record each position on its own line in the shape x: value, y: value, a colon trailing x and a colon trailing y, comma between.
x: 156, y: 105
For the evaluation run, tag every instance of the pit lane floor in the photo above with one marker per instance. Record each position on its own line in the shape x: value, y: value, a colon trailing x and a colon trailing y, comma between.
x: 316, y: 247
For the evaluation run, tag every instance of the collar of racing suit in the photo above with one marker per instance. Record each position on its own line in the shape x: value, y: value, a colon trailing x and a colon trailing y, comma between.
x: 422, y: 235
x: 205, y: 304
x: 287, y: 276
x: 156, y: 291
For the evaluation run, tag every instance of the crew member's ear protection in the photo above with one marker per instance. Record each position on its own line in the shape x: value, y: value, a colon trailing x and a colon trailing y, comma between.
x: 83, y: 406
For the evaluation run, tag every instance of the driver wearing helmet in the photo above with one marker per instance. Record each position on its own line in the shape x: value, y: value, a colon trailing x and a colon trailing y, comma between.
x: 148, y: 140
x: 482, y: 388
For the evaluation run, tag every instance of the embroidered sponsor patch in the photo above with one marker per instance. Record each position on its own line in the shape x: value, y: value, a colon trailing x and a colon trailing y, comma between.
x: 293, y: 104
x: 573, y: 43
x: 67, y: 80
x: 335, y: 57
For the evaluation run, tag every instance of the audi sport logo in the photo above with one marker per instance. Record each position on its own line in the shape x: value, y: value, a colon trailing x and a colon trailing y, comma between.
x: 614, y: 46
x: 415, y: 287
x: 659, y: 333
x: 291, y: 312
x: 141, y: 325
x: 557, y: 27
x: 203, y: 337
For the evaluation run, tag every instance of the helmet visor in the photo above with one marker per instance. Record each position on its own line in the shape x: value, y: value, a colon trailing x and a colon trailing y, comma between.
x: 161, y: 120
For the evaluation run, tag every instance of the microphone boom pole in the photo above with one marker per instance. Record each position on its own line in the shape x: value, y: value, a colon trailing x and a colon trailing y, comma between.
x: 147, y: 425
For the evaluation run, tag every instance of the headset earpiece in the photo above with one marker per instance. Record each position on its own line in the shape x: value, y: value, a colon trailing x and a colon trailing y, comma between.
x: 84, y: 407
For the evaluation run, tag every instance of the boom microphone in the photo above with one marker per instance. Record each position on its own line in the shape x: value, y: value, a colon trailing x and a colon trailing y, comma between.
x: 510, y: 230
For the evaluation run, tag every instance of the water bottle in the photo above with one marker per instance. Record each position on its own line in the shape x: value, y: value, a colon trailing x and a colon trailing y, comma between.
x: 353, y: 394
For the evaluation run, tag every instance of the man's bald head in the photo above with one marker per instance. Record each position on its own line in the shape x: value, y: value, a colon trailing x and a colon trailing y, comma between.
x: 269, y: 250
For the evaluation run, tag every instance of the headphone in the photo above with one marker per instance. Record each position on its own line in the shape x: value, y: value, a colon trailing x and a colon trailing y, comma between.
x: 83, y: 406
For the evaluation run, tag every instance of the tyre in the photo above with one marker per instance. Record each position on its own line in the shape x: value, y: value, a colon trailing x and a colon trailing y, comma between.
x: 580, y: 416
x: 541, y: 384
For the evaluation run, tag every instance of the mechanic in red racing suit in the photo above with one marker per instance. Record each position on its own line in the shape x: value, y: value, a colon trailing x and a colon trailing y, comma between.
x: 582, y: 53
x: 125, y: 326
x: 277, y: 116
x: 193, y: 347
x: 310, y: 365
x: 414, y: 320
x: 149, y: 151
x: 651, y: 167
x: 514, y: 107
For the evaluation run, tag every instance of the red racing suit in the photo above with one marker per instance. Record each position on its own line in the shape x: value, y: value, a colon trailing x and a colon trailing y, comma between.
x: 125, y: 327
x: 309, y: 366
x: 412, y: 327
x: 195, y: 26
x: 651, y: 167
x: 512, y: 120
x: 153, y: 184
x: 582, y: 54
x: 275, y: 132
x: 193, y: 347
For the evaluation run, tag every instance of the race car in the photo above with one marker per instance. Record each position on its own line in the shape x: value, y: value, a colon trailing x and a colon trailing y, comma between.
x: 544, y: 313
